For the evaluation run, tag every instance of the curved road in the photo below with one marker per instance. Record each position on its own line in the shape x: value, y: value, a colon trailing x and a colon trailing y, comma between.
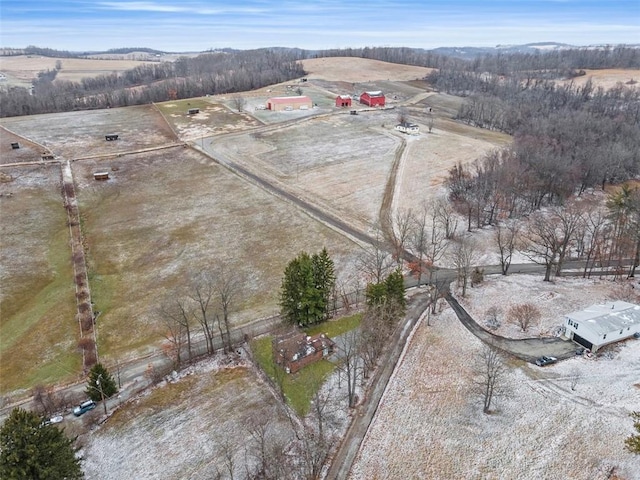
x: 527, y: 349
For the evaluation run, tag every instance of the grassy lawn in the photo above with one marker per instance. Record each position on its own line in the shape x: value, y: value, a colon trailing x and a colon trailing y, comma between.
x: 38, y: 329
x: 299, y: 388
x: 333, y: 328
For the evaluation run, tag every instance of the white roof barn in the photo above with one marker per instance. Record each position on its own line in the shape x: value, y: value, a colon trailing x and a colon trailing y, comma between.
x: 603, y: 323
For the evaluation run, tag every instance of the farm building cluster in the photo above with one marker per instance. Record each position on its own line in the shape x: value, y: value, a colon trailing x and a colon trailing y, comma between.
x: 303, y: 102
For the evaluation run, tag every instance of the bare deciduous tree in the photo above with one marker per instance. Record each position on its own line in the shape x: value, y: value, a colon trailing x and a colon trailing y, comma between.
x: 400, y: 230
x: 178, y: 312
x: 403, y: 115
x: 524, y: 315
x: 349, y: 353
x: 226, y: 286
x: 201, y: 292
x: 375, y: 262
x: 428, y: 237
x: 490, y: 371
x: 378, y: 323
x: 266, y: 449
x: 239, y: 102
x: 506, y: 236
x: 548, y: 237
x: 492, y: 315
x: 228, y: 456
x: 463, y: 257
x: 430, y: 122
x: 174, y: 331
x: 446, y: 217
x: 47, y: 400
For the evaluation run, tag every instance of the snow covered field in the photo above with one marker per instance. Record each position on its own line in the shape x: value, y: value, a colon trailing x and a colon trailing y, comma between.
x: 430, y: 422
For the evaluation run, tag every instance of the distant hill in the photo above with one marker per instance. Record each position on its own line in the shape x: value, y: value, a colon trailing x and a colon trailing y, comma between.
x: 540, y: 47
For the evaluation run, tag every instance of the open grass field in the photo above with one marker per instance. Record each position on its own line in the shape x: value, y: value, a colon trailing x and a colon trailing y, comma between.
x: 180, y: 430
x: 75, y: 135
x: 22, y: 69
x: 341, y: 162
x: 608, y: 78
x: 27, y: 152
x: 168, y: 213
x: 360, y: 70
x: 38, y: 328
x: 164, y: 216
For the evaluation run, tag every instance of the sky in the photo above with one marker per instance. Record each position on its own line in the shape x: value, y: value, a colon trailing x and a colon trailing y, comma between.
x: 198, y: 25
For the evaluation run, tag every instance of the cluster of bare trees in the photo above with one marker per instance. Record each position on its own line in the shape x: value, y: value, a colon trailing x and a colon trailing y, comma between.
x: 209, y: 73
x: 552, y: 63
x: 579, y: 230
x: 201, y: 310
x: 554, y: 159
x: 270, y: 451
x: 560, y: 60
x: 48, y: 400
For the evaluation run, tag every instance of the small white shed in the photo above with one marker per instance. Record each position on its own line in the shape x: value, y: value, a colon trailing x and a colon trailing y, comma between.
x: 410, y: 128
x: 602, y: 324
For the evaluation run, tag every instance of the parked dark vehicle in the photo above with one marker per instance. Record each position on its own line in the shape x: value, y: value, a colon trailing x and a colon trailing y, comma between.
x: 84, y: 407
x: 542, y: 361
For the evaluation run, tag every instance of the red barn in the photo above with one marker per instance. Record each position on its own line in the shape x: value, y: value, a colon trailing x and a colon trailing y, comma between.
x: 343, y: 101
x: 372, y: 99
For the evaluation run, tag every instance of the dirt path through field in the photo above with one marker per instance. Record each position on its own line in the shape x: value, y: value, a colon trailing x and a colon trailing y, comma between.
x: 386, y: 208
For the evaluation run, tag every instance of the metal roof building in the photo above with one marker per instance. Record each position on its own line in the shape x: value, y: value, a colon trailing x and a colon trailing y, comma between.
x: 604, y: 323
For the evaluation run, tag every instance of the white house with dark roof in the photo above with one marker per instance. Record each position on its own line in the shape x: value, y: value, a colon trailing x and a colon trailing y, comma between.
x: 602, y: 324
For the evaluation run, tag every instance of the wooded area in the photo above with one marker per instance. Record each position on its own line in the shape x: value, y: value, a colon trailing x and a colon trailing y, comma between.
x: 206, y: 74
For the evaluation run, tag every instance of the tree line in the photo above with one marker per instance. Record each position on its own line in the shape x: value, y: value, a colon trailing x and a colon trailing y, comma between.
x: 210, y: 73
x: 553, y: 63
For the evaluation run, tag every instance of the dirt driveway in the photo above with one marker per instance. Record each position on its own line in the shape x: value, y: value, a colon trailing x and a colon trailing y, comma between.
x: 527, y: 349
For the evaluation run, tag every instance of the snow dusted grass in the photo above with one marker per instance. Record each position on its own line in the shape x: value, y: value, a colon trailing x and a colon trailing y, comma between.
x: 71, y: 135
x: 178, y: 430
x: 152, y: 225
x: 430, y: 423
x: 553, y: 300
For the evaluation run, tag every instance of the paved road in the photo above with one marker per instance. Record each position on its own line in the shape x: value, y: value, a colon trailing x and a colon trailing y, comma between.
x: 132, y: 372
x: 346, y: 453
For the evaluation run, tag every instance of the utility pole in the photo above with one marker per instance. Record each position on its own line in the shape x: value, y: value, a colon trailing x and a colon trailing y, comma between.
x: 104, y: 404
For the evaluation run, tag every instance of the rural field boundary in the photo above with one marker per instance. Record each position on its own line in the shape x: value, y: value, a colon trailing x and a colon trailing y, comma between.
x: 35, y: 144
x: 85, y: 315
x: 130, y: 152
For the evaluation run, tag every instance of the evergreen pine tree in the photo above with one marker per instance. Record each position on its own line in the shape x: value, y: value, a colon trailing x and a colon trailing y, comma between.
x: 31, y: 449
x: 306, y: 288
x: 395, y: 290
x: 325, y: 280
x: 100, y: 383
